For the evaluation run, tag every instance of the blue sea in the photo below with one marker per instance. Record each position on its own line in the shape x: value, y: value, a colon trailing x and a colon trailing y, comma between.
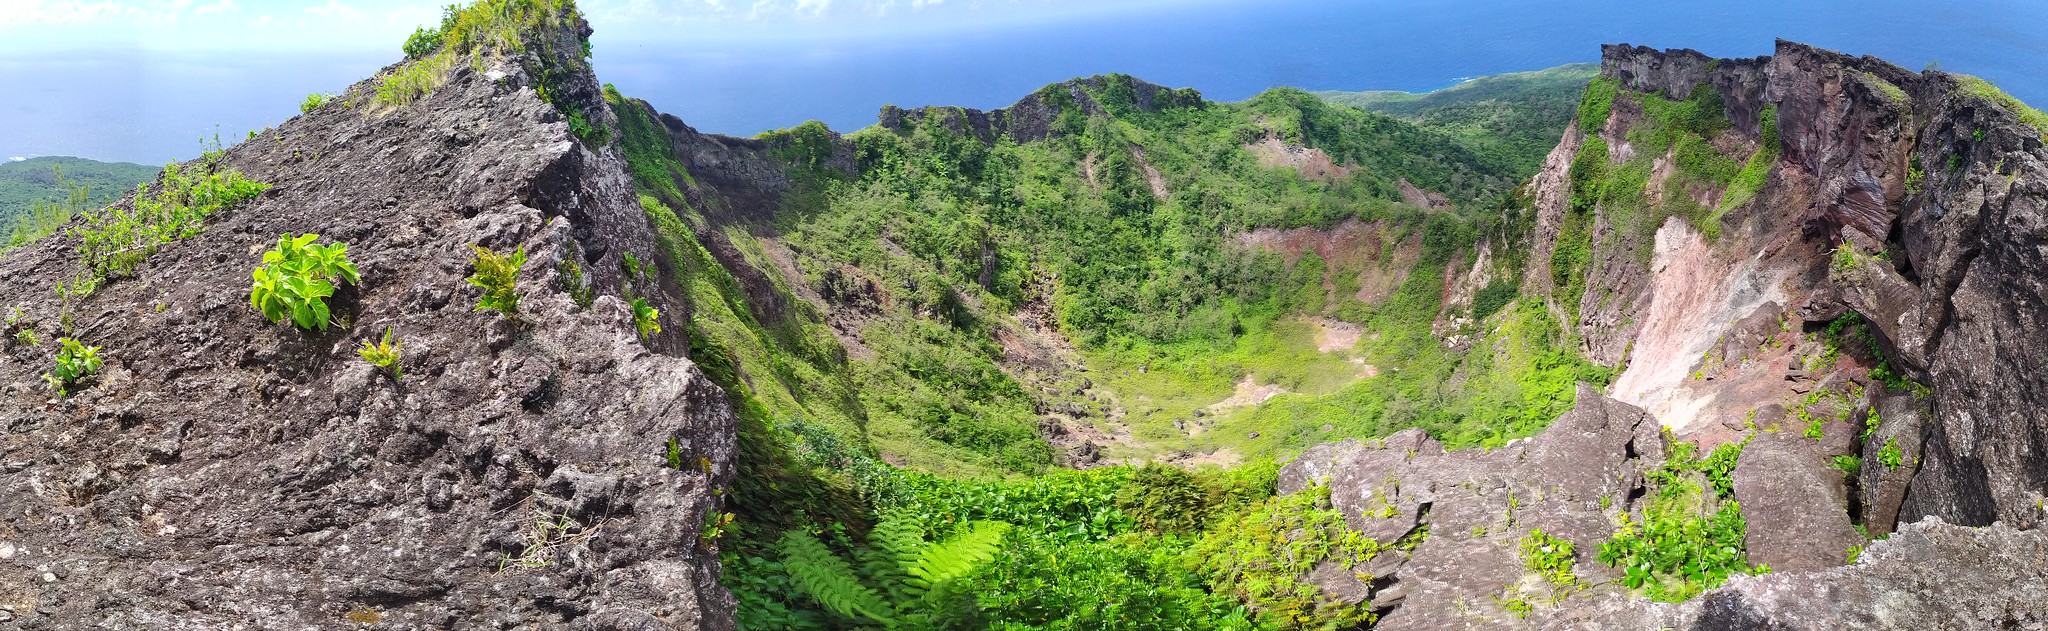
x: 154, y: 107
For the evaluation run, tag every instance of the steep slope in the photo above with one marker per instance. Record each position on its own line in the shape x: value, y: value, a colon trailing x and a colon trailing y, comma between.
x: 1860, y: 219
x: 1791, y: 257
x: 973, y: 264
x: 220, y: 471
x: 1106, y: 271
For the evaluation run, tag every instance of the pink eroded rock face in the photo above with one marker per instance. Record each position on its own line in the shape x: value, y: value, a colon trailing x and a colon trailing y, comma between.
x: 1900, y: 198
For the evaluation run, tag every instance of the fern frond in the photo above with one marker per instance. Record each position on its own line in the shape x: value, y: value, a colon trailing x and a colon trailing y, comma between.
x: 940, y: 564
x: 830, y: 580
x: 893, y: 549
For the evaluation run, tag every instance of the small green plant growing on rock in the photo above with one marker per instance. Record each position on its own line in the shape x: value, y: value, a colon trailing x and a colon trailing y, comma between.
x: 313, y: 102
x: 674, y: 455
x: 573, y: 279
x: 644, y: 318
x: 1551, y: 557
x: 715, y: 525
x: 297, y: 277
x: 384, y: 354
x: 75, y: 362
x: 1889, y: 455
x: 25, y: 336
x: 1690, y: 538
x: 1844, y: 258
x: 498, y: 276
x: 1516, y: 605
x: 633, y: 266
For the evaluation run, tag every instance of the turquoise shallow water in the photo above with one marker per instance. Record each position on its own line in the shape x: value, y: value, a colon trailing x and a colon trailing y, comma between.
x: 152, y: 107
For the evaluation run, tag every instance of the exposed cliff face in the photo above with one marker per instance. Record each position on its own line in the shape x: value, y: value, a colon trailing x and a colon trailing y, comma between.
x: 224, y: 472
x: 1909, y: 171
x: 1874, y: 290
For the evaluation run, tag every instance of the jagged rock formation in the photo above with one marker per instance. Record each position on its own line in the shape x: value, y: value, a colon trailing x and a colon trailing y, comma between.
x: 1470, y: 508
x: 1037, y: 116
x: 1916, y: 168
x: 224, y: 472
x: 1912, y: 200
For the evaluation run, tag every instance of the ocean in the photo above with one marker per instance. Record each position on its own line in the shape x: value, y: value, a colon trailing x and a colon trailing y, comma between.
x: 154, y: 107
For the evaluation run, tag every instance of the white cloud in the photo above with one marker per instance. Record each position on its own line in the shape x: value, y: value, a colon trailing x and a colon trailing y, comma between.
x: 34, y: 12
x: 223, y: 6
x: 335, y: 10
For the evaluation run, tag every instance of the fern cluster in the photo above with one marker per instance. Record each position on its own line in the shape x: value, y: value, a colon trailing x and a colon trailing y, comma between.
x: 384, y: 354
x: 905, y: 575
x: 499, y: 276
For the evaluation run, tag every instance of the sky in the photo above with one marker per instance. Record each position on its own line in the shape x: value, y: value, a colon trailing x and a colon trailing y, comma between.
x: 144, y: 80
x: 341, y: 25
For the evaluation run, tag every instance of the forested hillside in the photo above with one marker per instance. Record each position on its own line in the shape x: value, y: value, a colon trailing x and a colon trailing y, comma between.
x: 39, y: 193
x: 939, y: 313
x: 1518, y: 114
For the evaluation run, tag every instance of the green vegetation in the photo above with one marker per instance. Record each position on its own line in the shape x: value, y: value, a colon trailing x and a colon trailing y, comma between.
x: 498, y: 275
x: 1552, y: 558
x: 424, y: 41
x: 1891, y: 92
x: 1979, y: 88
x: 1261, y: 555
x: 494, y: 27
x: 75, y: 362
x: 1123, y: 230
x: 1690, y: 536
x: 384, y: 354
x: 645, y: 318
x: 1517, y: 115
x: 1889, y: 455
x: 1597, y: 104
x: 914, y: 575
x: 39, y: 194
x: 1755, y: 171
x: 1684, y: 131
x: 113, y: 240
x: 313, y: 102
x: 297, y: 277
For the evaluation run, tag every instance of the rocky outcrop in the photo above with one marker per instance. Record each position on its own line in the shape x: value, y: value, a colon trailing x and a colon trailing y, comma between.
x: 1037, y: 117
x: 1911, y: 199
x: 1795, y: 504
x: 1476, y: 506
x: 1913, y: 202
x: 224, y: 472
x: 1909, y: 581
